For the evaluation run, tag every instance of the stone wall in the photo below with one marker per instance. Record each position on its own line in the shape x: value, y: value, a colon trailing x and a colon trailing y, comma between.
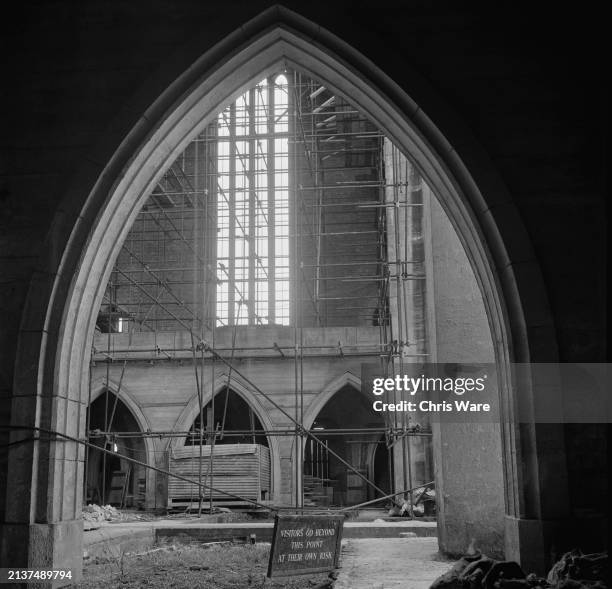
x: 160, y: 384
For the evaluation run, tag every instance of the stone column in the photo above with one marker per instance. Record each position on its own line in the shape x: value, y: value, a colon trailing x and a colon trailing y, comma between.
x: 468, y: 457
x: 42, y: 525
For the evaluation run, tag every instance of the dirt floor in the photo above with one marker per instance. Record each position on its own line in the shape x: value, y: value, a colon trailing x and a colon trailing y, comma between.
x: 213, y: 566
x: 94, y: 516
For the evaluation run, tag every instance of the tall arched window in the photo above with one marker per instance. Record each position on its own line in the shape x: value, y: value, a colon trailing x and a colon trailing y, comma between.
x: 253, y: 207
x: 281, y: 195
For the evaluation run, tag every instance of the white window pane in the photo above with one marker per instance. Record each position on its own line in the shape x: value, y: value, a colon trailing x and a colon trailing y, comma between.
x: 281, y: 183
x: 281, y: 146
x: 223, y: 123
x: 248, y: 223
x: 223, y: 165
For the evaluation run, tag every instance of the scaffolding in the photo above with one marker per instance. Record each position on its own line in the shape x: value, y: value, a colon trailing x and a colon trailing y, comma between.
x: 355, y: 258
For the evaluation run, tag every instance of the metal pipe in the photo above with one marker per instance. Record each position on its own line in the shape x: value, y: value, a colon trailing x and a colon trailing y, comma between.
x: 129, y: 459
x: 304, y: 431
x: 399, y: 432
x: 327, y: 234
x: 365, y: 263
x: 371, y: 353
x: 360, y: 505
x: 361, y: 185
x: 245, y: 348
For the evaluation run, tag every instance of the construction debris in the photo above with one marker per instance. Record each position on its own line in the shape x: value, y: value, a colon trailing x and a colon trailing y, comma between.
x: 573, y: 571
x: 95, y: 513
x: 587, y: 569
x: 424, y: 504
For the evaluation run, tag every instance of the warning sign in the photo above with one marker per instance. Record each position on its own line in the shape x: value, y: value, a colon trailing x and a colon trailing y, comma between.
x: 305, y: 544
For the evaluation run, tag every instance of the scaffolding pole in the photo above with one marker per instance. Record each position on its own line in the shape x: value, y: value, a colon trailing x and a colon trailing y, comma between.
x: 319, y: 118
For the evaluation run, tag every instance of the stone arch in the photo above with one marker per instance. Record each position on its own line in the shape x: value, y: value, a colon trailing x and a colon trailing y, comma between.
x: 191, y: 409
x: 97, y: 388
x: 111, y: 186
x: 318, y: 406
x: 330, y: 389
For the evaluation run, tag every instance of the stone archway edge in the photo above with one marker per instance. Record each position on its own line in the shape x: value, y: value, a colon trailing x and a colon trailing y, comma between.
x: 109, y: 189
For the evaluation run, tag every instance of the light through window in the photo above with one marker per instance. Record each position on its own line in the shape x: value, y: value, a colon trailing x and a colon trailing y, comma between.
x: 253, y: 207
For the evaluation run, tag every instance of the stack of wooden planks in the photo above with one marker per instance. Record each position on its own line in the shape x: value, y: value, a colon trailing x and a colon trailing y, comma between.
x: 240, y: 469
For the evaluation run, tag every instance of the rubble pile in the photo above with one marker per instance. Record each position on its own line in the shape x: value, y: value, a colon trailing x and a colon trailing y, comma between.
x: 574, y: 570
x: 95, y: 513
x: 423, y: 505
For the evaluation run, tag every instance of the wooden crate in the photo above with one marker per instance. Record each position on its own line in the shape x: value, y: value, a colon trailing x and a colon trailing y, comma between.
x: 240, y: 469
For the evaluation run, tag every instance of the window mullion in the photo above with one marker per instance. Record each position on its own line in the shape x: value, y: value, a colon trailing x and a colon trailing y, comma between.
x: 251, y: 228
x: 271, y: 207
x: 231, y: 271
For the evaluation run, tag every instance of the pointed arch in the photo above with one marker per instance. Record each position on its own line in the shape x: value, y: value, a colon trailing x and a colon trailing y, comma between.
x: 328, y: 391
x: 98, y: 386
x: 192, y: 408
x: 109, y: 189
x: 194, y: 100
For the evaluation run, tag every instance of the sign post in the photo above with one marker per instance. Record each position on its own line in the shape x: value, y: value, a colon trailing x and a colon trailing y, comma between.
x: 305, y: 544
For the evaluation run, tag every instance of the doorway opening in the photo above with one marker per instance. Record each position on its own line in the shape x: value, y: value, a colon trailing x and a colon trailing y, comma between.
x: 111, y: 479
x: 290, y: 218
x: 327, y: 480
